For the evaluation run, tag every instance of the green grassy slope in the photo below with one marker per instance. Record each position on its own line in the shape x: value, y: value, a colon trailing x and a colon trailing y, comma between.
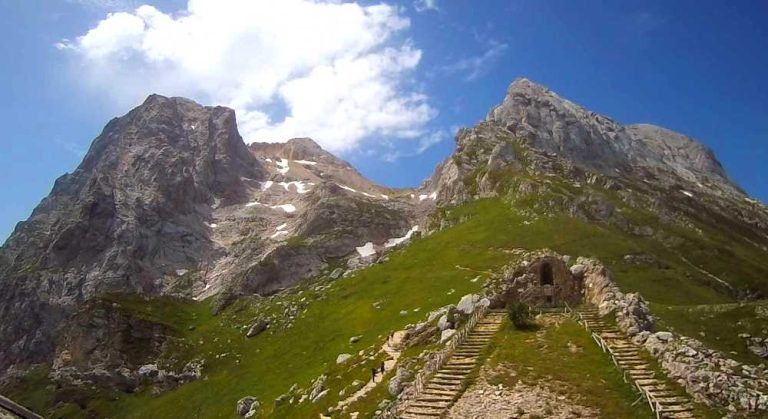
x: 429, y: 273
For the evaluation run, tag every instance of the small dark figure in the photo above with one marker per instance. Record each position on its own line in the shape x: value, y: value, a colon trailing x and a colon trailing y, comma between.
x: 373, y: 374
x: 382, y: 368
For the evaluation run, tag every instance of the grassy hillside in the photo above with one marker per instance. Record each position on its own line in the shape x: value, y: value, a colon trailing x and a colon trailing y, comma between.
x: 431, y: 272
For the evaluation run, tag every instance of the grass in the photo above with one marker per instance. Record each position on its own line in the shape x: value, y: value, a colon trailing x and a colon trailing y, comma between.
x: 543, y: 357
x: 718, y: 326
x: 429, y: 273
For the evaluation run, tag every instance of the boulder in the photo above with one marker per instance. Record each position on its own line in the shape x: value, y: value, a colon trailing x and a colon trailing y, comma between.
x: 257, y: 328
x: 342, y: 358
x: 244, y: 405
x: 444, y: 323
x: 149, y: 371
x: 578, y: 270
x: 336, y: 274
x: 446, y: 335
x: 467, y: 303
x: 355, y: 339
x: 397, y: 383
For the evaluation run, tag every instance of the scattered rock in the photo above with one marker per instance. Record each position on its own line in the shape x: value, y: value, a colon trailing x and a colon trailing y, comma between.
x: 342, y: 358
x: 355, y: 339
x: 244, y: 405
x: 257, y: 328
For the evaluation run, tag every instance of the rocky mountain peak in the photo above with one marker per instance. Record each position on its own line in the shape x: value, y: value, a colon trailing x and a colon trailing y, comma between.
x: 547, y: 122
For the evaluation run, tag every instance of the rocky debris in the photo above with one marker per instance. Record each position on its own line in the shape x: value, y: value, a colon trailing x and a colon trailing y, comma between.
x: 523, y: 401
x: 397, y: 383
x: 336, y: 274
x: 633, y: 315
x: 355, y: 339
x: 446, y: 335
x: 257, y: 328
x: 317, y: 390
x: 246, y: 405
x: 342, y: 358
x: 758, y: 346
x: 470, y: 302
x: 148, y: 371
x: 707, y: 375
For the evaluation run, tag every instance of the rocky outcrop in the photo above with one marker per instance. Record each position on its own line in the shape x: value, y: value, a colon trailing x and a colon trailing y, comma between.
x: 707, y: 375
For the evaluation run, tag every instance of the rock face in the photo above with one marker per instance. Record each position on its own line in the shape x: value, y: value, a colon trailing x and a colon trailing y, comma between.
x: 130, y: 216
x: 170, y: 201
x: 550, y: 123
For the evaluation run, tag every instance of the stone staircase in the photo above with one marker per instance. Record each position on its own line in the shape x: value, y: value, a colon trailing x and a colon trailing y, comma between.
x: 449, y: 382
x: 663, y: 400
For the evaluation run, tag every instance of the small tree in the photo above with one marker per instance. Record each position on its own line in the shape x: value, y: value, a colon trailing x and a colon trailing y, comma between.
x: 519, y: 314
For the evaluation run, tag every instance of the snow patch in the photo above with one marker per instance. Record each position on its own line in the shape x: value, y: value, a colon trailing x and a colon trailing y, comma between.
x: 686, y: 193
x: 301, y: 187
x: 266, y: 185
x: 385, y: 196
x: 367, y: 194
x: 277, y: 234
x: 289, y: 208
x: 268, y: 159
x: 212, y: 225
x: 281, y: 226
x: 345, y: 187
x: 423, y: 197
x: 181, y: 272
x: 311, y: 163
x: 366, y: 250
x: 282, y: 166
x: 285, y: 207
x: 433, y: 195
x: 394, y: 242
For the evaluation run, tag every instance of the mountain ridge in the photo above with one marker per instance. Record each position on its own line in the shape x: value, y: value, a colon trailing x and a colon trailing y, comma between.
x: 170, y: 202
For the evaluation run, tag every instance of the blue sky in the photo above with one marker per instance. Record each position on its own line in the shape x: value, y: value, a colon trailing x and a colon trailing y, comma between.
x: 697, y: 67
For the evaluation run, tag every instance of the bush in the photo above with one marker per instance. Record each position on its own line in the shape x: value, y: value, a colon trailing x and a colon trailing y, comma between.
x: 519, y: 314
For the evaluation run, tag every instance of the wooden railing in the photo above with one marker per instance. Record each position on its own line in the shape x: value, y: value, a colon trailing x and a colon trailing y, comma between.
x: 18, y: 409
x: 436, y: 362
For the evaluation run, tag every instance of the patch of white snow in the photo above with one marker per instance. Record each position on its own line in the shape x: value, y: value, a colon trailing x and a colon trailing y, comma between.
x: 282, y: 166
x: 281, y: 226
x: 398, y: 240
x: 311, y: 163
x: 423, y: 197
x: 181, y: 272
x: 686, y: 193
x: 385, y: 196
x: 289, y: 208
x: 346, y: 187
x: 301, y: 187
x: 366, y: 250
x: 433, y: 195
x: 266, y: 185
x: 277, y: 233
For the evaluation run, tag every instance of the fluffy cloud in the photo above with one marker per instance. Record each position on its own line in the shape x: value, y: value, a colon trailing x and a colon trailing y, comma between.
x: 423, y: 5
x: 337, y: 72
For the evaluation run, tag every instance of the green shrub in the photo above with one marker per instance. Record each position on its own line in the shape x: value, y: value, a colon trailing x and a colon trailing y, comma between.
x: 519, y: 314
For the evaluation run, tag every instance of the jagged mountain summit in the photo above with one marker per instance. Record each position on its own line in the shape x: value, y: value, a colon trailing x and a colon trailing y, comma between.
x: 170, y: 202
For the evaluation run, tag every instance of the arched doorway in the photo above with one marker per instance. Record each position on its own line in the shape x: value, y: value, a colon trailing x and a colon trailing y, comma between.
x: 546, y: 274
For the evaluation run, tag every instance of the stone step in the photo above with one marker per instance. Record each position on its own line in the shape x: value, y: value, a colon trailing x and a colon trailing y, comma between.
x: 429, y: 398
x: 626, y: 362
x: 449, y: 388
x: 430, y: 405
x: 448, y: 379
x: 678, y: 408
x: 657, y: 387
x: 436, y: 392
x: 678, y: 415
x: 649, y: 382
x: 467, y: 367
x: 672, y: 400
x: 424, y: 412
x: 445, y: 372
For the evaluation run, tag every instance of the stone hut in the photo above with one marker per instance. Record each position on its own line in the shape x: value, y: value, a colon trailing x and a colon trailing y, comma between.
x: 542, y: 281
x: 549, y: 283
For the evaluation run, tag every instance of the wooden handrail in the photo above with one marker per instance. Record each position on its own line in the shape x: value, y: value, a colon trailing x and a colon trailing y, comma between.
x: 18, y: 409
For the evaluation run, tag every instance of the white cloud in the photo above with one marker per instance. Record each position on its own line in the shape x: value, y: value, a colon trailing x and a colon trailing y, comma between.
x: 423, y: 5
x: 336, y: 70
x: 475, y: 67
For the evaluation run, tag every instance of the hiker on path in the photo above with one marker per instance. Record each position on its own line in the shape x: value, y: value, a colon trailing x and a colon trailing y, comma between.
x: 382, y: 368
x: 373, y: 374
